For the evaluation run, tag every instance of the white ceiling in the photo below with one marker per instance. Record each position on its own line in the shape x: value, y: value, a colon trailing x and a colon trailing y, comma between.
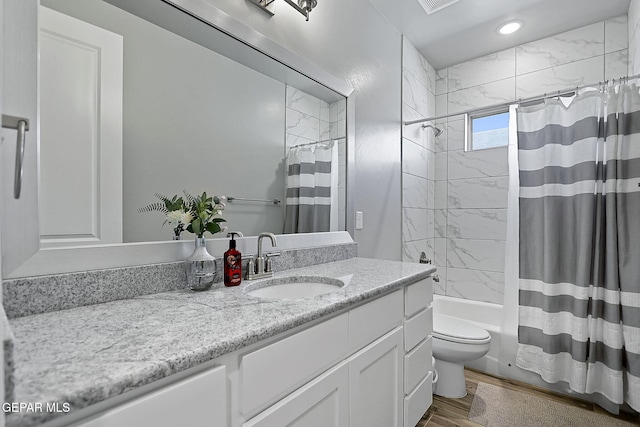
x: 467, y: 29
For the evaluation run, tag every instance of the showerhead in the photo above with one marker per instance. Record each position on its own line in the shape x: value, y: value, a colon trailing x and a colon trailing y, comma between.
x: 437, y: 131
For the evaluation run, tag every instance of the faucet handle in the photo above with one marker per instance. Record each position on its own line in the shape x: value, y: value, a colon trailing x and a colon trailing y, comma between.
x: 251, y: 267
x: 269, y: 261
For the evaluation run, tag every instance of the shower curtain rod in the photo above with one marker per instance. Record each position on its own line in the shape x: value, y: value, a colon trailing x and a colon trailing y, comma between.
x: 565, y: 92
x: 317, y: 142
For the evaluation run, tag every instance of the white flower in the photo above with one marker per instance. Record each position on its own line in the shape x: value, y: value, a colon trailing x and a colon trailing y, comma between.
x: 179, y: 217
x: 186, y: 218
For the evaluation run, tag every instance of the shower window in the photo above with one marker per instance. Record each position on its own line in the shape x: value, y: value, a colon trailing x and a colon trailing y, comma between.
x: 487, y: 129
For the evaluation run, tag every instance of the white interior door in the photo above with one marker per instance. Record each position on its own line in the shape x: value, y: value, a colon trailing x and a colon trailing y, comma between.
x: 2, y: 330
x: 20, y: 236
x: 81, y: 68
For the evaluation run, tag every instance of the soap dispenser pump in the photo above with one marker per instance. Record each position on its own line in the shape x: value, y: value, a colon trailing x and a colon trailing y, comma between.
x: 233, y: 262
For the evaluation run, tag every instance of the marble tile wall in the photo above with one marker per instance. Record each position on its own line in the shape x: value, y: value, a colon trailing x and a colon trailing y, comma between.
x: 310, y: 119
x: 470, y: 191
x: 418, y: 156
x: 634, y: 37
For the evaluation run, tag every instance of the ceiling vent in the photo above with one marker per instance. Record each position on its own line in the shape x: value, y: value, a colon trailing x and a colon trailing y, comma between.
x: 432, y: 6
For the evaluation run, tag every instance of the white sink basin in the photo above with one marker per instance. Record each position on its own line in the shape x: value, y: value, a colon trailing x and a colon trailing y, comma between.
x: 294, y: 287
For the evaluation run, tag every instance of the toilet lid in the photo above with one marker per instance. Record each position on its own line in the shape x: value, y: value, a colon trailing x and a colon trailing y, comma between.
x: 453, y: 329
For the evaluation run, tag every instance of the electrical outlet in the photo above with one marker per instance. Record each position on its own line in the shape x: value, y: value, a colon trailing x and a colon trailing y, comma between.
x: 359, y: 220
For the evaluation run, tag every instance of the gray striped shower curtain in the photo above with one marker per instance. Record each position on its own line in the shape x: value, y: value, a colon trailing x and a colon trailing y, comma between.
x: 579, y: 274
x: 309, y: 188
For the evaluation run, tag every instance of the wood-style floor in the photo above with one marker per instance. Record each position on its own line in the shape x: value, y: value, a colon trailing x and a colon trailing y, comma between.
x: 454, y: 412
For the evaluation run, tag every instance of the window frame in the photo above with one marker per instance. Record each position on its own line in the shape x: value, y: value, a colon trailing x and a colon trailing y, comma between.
x: 468, y: 126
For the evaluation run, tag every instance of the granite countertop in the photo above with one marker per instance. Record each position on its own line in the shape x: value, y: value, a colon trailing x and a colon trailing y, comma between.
x: 84, y: 355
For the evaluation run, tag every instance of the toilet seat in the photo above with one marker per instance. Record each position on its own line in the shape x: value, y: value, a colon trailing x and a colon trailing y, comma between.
x: 455, y: 330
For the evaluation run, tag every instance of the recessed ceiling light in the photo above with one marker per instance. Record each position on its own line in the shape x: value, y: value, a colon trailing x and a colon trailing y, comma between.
x: 509, y: 27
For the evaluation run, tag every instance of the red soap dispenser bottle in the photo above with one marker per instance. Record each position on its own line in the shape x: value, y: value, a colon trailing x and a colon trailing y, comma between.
x: 232, y: 263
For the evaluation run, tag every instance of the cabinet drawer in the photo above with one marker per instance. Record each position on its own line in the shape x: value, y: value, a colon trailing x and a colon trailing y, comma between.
x: 417, y: 328
x: 417, y: 403
x: 202, y: 397
x: 372, y: 320
x: 271, y: 372
x: 418, y: 296
x: 417, y: 364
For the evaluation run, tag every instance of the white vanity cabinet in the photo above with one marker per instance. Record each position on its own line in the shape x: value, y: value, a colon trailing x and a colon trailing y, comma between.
x: 363, y: 387
x: 369, y: 366
x: 383, y: 380
x: 418, y: 372
x: 200, y: 400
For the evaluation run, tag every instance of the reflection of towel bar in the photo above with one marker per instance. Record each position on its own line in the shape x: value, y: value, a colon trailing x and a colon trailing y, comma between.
x: 274, y: 201
x: 22, y: 126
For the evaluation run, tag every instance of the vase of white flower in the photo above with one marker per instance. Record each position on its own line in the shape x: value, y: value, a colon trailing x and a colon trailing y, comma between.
x: 200, y: 267
x: 177, y: 213
x: 197, y: 215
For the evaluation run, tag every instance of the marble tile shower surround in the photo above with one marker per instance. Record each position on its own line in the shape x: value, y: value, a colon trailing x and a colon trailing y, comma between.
x: 418, y: 155
x: 471, y: 188
x: 634, y: 37
x: 310, y: 119
x: 34, y: 295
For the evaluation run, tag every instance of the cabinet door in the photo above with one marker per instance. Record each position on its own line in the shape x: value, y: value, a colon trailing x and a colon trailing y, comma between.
x: 323, y: 402
x: 375, y: 380
x: 197, y: 401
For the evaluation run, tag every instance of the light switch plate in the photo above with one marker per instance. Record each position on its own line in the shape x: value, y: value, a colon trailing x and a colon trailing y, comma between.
x: 359, y: 220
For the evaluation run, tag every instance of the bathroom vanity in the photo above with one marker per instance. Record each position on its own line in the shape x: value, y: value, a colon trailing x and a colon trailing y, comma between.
x: 358, y: 356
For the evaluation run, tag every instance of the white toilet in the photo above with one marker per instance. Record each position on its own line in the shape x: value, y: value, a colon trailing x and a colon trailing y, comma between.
x: 456, y: 342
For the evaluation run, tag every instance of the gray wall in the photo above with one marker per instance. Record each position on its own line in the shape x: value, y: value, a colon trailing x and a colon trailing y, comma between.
x: 353, y: 41
x: 193, y: 120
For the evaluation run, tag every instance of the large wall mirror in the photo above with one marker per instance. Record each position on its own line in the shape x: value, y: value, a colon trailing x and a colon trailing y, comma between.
x: 161, y: 96
x: 192, y: 119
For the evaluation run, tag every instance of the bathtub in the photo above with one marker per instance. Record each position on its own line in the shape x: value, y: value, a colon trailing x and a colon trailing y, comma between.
x: 502, y: 323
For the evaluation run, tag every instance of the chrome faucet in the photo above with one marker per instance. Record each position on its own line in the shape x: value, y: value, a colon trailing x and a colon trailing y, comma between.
x: 260, y: 268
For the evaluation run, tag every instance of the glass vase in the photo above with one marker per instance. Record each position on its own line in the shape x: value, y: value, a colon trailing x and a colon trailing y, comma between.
x: 200, y: 267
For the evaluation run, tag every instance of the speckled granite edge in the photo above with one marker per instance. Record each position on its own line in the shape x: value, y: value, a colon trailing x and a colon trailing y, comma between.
x: 103, y: 351
x: 9, y: 365
x: 42, y: 294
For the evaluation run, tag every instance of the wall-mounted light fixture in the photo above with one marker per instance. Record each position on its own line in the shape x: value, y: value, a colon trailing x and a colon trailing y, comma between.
x: 302, y: 6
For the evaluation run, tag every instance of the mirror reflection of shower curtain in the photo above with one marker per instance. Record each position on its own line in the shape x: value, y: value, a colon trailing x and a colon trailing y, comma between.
x: 312, y: 189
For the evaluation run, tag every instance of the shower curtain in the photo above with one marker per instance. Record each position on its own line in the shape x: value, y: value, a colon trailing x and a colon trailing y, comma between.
x: 312, y: 189
x: 579, y: 262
